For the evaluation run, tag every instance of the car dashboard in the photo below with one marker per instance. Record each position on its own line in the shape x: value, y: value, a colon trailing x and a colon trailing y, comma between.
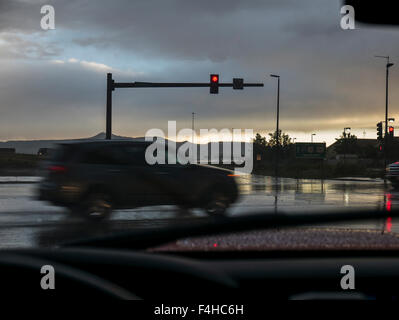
x: 240, y: 276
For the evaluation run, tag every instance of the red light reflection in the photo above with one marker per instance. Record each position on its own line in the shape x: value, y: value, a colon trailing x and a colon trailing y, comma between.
x: 388, y: 224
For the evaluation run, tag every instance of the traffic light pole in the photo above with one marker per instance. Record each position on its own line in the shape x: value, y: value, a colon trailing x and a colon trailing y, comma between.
x: 112, y: 85
x: 385, y: 139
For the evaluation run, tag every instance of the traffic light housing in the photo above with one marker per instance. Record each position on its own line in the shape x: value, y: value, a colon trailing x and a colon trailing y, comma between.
x: 238, y: 83
x: 214, y: 84
x: 379, y: 131
x: 390, y: 132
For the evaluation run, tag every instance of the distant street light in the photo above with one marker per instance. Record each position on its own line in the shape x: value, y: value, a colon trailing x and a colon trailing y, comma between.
x: 311, y: 137
x: 347, y: 132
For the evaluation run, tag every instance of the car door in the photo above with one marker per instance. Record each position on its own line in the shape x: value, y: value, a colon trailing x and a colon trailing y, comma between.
x: 159, y: 183
x: 174, y: 181
x: 143, y: 187
x: 101, y: 168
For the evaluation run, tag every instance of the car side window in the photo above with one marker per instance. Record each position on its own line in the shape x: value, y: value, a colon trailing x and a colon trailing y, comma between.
x: 108, y: 155
x: 135, y: 155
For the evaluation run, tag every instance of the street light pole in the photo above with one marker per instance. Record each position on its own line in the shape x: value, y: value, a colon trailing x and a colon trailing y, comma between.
x: 277, y: 122
x: 192, y: 126
x: 388, y: 65
x: 347, y: 134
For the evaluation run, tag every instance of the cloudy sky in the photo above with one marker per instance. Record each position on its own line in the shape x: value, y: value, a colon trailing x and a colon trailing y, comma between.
x: 52, y: 83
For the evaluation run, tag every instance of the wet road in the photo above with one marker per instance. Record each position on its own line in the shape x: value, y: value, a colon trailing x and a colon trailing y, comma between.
x: 26, y: 222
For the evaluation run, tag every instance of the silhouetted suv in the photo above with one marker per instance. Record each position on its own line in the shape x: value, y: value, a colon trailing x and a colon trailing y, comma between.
x: 92, y: 178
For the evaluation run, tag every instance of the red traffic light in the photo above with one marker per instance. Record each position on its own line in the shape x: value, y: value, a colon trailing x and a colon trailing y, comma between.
x: 214, y: 84
x: 390, y: 133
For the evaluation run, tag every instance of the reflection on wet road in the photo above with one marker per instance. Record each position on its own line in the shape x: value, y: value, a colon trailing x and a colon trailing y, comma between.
x: 27, y: 222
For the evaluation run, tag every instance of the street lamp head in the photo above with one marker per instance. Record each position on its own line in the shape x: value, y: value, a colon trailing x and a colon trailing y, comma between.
x: 275, y: 76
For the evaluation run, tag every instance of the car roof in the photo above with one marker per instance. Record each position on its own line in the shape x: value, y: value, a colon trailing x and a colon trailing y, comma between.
x: 82, y: 145
x: 104, y: 142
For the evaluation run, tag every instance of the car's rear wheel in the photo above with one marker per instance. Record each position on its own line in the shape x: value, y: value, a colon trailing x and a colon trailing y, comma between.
x: 97, y: 206
x: 217, y: 203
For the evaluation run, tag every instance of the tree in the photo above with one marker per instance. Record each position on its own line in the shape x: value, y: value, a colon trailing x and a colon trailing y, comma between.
x: 260, y: 141
x: 283, y: 139
x: 347, y: 143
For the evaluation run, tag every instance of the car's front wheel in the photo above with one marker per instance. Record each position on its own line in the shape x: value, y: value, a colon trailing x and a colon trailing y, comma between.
x: 217, y: 203
x: 97, y: 206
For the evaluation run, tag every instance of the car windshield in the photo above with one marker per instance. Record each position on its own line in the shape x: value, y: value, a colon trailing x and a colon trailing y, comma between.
x: 132, y: 116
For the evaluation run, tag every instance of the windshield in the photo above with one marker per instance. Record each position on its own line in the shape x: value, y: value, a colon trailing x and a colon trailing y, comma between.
x: 129, y: 116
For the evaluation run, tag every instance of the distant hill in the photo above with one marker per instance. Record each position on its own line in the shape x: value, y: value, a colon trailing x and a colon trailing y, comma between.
x: 32, y: 146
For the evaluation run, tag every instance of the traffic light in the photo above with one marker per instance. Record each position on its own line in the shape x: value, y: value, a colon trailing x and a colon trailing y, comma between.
x: 238, y: 83
x: 379, y: 131
x: 214, y: 84
x: 390, y: 132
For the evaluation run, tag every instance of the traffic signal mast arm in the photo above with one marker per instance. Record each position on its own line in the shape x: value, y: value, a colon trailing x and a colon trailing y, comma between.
x: 175, y: 85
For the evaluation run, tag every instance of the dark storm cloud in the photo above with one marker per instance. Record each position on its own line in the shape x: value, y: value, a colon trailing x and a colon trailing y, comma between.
x: 20, y: 15
x: 179, y: 29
